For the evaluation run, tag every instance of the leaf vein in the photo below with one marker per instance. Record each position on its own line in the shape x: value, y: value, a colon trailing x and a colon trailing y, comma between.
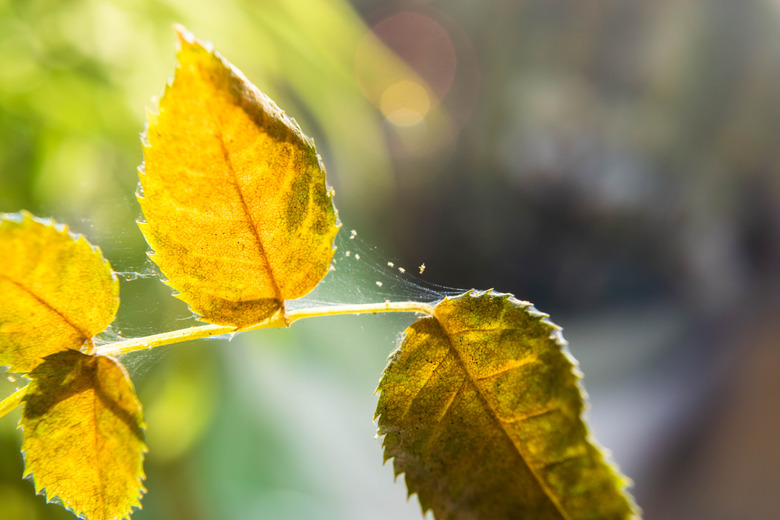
x: 530, y: 415
x: 451, y: 401
x: 422, y: 387
x: 552, y: 463
x: 253, y: 225
x: 84, y: 334
x: 96, y: 442
x: 518, y: 363
x: 438, y: 426
x: 521, y: 451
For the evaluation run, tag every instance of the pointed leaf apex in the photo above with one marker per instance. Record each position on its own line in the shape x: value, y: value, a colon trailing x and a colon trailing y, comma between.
x: 232, y: 190
x: 183, y: 35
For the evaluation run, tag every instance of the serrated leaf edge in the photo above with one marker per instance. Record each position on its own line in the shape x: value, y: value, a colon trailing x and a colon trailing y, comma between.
x: 23, y: 217
x: 56, y: 499
x: 557, y: 337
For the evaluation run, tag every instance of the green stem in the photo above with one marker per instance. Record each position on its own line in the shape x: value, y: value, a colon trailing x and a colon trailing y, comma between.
x: 372, y: 308
x: 119, y: 348
x: 12, y: 401
x: 157, y: 340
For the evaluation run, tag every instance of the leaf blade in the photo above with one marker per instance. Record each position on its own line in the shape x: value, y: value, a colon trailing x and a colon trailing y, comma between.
x: 83, y: 435
x: 234, y: 195
x: 56, y: 291
x: 481, y: 409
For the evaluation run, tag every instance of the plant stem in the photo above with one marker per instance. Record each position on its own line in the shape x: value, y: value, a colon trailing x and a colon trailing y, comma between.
x: 119, y: 348
x: 157, y: 340
x: 373, y: 308
x: 12, y: 401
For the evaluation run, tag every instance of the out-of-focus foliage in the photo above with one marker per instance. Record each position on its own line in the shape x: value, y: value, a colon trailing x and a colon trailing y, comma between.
x: 77, y: 75
x: 633, y: 140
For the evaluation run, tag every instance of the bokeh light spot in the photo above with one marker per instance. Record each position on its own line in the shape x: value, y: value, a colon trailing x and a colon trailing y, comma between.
x: 423, y: 44
x: 405, y: 103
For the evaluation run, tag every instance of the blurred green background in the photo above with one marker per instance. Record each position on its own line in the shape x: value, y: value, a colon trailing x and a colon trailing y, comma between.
x: 614, y: 162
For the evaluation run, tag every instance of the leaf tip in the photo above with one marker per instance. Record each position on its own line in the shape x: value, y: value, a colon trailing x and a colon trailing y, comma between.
x: 183, y: 35
x: 186, y: 40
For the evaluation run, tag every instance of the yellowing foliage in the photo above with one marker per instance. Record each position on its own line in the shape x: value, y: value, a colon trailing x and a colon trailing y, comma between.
x: 83, y: 435
x: 480, y: 406
x: 57, y: 291
x: 481, y: 409
x: 234, y: 195
x: 82, y: 424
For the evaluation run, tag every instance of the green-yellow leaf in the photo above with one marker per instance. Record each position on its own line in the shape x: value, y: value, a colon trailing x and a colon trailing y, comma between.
x: 83, y: 435
x: 234, y: 196
x: 481, y: 409
x: 56, y: 291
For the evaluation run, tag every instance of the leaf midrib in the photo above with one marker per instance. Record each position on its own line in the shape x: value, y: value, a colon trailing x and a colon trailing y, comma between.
x: 495, y: 416
x: 96, y: 435
x: 252, y: 224
x: 84, y: 334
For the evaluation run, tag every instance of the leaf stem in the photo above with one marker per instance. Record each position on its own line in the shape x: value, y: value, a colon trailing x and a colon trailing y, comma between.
x: 12, y: 401
x: 119, y: 348
x: 372, y: 308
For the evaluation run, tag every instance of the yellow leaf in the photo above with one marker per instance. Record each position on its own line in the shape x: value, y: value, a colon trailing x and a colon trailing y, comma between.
x: 481, y: 409
x: 56, y: 291
x: 83, y: 435
x: 234, y: 194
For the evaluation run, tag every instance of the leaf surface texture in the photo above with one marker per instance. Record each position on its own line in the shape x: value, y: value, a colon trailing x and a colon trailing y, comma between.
x: 83, y: 435
x: 481, y: 409
x: 234, y: 195
x: 56, y: 291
